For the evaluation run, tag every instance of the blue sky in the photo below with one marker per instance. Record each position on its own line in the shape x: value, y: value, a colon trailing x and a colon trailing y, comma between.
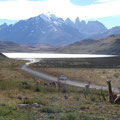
x: 89, y: 2
x: 82, y: 2
x: 106, y: 11
x: 110, y: 22
x: 2, y: 21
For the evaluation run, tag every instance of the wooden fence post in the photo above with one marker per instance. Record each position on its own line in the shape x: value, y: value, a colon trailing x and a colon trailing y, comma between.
x: 111, y: 100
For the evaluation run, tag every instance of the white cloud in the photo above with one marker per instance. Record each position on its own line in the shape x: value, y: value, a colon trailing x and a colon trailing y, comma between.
x: 23, y: 9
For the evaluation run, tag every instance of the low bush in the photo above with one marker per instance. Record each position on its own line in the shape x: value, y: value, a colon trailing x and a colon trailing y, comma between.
x: 7, y: 84
x: 68, y: 116
x: 36, y: 100
x: 6, y: 110
x: 50, y: 109
x: 37, y: 89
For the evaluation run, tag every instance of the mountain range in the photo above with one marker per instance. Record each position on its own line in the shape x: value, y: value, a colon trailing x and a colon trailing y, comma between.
x: 48, y: 33
x: 49, y: 29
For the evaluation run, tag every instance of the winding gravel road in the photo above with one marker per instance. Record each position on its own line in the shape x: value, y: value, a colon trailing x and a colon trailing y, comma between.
x: 51, y: 78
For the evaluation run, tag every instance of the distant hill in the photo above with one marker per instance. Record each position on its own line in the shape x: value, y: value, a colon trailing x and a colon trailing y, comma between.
x: 40, y: 48
x: 2, y: 56
x: 12, y: 47
x: 106, y: 45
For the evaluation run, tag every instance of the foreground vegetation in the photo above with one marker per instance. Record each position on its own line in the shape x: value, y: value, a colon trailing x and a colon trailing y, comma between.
x: 66, y: 104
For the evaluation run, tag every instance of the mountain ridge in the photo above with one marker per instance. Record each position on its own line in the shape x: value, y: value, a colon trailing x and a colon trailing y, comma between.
x: 47, y: 30
x: 106, y: 45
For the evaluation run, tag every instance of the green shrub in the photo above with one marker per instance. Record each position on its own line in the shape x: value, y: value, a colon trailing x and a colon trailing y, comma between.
x: 6, y: 110
x: 36, y: 100
x: 7, y: 84
x: 52, y: 116
x: 27, y: 86
x: 5, y: 118
x: 69, y: 116
x: 92, y: 98
x: 50, y: 109
x: 37, y: 89
x: 85, y: 117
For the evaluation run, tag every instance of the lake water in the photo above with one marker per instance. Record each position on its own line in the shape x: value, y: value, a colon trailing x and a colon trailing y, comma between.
x: 42, y: 55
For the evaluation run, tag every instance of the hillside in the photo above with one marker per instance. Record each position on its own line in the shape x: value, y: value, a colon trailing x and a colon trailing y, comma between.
x: 107, y: 45
x: 41, y: 48
x: 12, y: 47
x: 2, y: 56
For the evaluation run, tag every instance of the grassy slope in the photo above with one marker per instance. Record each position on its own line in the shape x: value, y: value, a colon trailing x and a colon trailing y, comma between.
x: 2, y: 56
x: 107, y: 45
x: 59, y: 106
x: 12, y: 47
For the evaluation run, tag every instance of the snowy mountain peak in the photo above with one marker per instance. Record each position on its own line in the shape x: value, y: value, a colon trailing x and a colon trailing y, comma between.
x: 51, y: 18
x: 48, y: 13
x: 48, y: 16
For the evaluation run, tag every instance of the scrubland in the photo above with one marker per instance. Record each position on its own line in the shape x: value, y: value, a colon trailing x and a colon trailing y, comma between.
x: 65, y: 104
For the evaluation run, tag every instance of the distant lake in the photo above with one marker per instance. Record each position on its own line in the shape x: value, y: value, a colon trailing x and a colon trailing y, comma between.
x: 43, y: 55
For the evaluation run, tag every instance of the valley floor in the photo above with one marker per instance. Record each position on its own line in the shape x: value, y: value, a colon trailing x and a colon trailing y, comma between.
x: 65, y: 104
x: 85, y: 75
x: 95, y: 71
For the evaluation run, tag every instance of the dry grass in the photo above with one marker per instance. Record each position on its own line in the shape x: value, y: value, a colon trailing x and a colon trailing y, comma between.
x: 10, y: 80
